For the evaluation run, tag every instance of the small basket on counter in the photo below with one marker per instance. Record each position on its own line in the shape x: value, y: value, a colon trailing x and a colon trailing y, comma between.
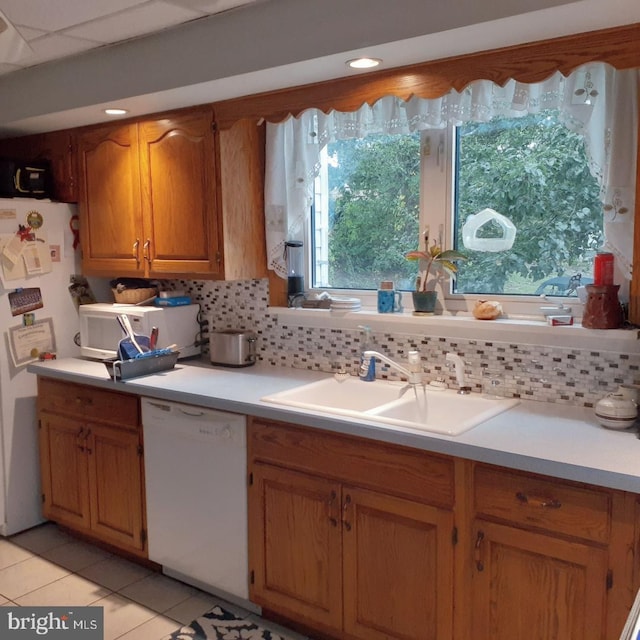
x: 150, y: 363
x: 133, y: 290
x: 134, y: 296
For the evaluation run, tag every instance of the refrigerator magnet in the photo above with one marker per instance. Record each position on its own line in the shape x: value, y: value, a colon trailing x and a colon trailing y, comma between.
x: 35, y: 219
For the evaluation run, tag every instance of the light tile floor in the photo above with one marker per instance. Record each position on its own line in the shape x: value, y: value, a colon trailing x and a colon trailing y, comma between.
x: 46, y: 567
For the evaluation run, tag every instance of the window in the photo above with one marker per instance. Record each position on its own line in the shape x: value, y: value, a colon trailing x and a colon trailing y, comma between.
x: 544, y: 195
x: 375, y: 194
x: 534, y: 172
x: 366, y: 213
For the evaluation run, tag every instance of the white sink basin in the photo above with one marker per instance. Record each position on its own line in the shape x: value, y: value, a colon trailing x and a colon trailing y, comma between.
x: 351, y: 395
x: 435, y: 411
x: 446, y: 411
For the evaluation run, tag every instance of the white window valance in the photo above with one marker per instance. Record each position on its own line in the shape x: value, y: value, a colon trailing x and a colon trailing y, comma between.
x: 596, y: 101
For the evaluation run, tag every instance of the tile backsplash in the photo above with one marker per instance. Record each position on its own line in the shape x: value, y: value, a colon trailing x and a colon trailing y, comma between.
x: 546, y: 374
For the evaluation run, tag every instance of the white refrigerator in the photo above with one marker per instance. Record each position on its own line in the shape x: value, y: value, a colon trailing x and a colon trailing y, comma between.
x: 51, y: 235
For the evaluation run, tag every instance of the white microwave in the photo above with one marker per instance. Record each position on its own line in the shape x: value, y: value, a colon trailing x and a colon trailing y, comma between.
x: 100, y: 330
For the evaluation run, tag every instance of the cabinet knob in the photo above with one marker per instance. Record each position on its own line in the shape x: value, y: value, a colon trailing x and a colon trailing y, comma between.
x: 136, y: 246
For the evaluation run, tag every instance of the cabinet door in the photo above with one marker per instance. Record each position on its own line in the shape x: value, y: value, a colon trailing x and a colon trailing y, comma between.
x: 178, y: 170
x: 115, y: 480
x: 295, y: 546
x: 63, y: 466
x: 59, y: 148
x: 110, y: 217
x: 533, y: 585
x: 398, y: 568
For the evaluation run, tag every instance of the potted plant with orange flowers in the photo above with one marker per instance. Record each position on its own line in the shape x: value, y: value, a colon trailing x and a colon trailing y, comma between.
x: 442, y: 261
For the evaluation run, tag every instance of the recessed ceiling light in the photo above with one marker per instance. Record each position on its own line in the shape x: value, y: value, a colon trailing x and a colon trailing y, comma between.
x: 364, y: 63
x: 116, y: 112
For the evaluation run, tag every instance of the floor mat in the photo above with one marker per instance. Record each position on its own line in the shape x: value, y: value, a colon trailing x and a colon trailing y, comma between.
x: 220, y: 624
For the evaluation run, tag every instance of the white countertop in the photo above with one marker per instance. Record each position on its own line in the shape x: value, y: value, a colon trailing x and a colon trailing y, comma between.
x: 548, y: 438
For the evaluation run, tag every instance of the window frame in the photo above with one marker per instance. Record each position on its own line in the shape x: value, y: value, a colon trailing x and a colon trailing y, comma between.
x: 437, y: 160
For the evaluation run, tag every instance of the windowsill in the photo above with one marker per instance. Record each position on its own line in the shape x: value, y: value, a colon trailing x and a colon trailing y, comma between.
x: 511, y: 330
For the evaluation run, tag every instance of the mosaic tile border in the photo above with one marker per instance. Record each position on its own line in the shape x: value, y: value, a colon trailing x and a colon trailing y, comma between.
x: 545, y: 374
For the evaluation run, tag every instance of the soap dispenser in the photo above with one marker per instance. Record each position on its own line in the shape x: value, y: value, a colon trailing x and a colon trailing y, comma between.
x: 367, y: 372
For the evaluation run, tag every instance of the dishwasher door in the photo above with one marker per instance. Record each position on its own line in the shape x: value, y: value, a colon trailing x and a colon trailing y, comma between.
x: 196, y: 485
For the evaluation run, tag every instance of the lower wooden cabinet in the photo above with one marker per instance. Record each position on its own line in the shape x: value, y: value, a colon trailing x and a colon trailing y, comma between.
x: 534, y: 585
x: 91, y: 463
x: 351, y: 560
x: 364, y: 541
x: 397, y: 567
x: 297, y: 567
x: 550, y: 557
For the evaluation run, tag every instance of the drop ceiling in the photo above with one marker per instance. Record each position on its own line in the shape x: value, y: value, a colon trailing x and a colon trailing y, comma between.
x: 55, y: 30
x: 151, y: 55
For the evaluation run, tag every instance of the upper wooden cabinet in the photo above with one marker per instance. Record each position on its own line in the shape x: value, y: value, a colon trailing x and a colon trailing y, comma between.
x: 170, y: 197
x: 58, y: 148
x: 148, y: 197
x: 179, y: 195
x: 111, y: 217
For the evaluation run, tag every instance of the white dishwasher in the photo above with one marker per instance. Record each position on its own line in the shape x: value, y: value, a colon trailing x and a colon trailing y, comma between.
x: 196, y: 483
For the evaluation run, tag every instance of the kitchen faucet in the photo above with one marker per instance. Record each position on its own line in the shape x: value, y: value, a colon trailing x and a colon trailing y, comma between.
x: 413, y: 372
x: 458, y: 364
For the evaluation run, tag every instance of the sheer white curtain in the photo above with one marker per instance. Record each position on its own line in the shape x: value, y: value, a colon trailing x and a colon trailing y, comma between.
x: 596, y: 100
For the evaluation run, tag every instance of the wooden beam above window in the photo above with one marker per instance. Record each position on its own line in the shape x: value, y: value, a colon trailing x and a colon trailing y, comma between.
x: 531, y: 62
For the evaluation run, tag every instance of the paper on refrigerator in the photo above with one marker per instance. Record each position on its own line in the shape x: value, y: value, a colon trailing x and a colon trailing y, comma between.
x: 21, y: 259
x: 26, y: 343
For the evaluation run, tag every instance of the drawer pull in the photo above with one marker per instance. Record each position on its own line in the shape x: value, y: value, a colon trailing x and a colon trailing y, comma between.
x: 543, y: 503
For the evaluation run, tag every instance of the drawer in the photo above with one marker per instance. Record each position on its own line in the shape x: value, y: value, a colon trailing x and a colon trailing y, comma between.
x: 393, y: 469
x: 546, y: 503
x: 88, y: 403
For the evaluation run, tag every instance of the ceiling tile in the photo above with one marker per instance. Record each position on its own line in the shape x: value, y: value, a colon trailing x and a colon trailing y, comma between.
x: 54, y: 46
x: 53, y: 16
x: 8, y: 68
x: 213, y: 6
x: 147, y: 18
x: 30, y: 34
